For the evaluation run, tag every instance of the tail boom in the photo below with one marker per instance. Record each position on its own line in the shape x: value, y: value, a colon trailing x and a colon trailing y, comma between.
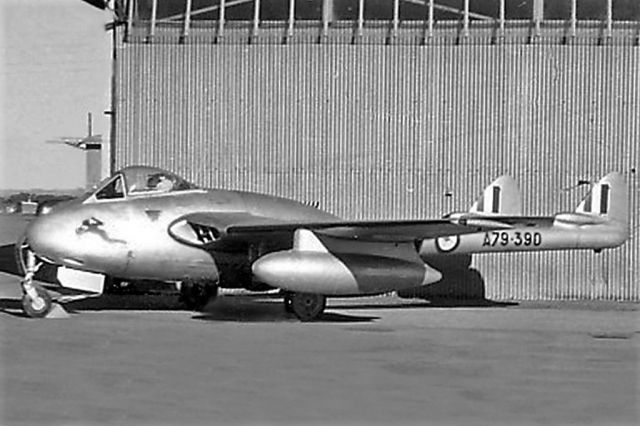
x: 558, y: 236
x: 600, y: 221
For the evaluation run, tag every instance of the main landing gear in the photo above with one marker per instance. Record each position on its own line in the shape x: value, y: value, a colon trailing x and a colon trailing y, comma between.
x: 36, y: 301
x: 306, y: 306
x: 196, y: 294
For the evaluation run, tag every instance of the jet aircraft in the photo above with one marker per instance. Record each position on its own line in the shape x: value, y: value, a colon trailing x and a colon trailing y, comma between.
x: 148, y: 223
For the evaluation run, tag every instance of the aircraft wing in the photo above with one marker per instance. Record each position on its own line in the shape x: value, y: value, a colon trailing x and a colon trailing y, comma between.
x: 383, y: 231
x: 204, y: 228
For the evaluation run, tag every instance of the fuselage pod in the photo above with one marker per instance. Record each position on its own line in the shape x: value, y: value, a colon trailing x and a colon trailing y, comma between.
x: 341, y: 274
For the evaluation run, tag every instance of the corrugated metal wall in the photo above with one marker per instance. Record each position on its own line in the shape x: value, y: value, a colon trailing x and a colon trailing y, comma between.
x: 378, y: 131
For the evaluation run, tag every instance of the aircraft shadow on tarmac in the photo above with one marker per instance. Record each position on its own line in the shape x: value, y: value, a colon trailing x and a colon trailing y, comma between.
x: 256, y: 310
x: 13, y: 306
x: 461, y: 288
x: 433, y: 303
x: 327, y: 317
x: 268, y: 310
x: 244, y: 309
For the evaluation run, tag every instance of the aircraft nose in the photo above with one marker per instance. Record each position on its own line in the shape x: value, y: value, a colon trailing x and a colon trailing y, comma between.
x: 44, y: 236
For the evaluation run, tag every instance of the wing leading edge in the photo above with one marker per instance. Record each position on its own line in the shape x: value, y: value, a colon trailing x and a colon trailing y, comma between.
x: 204, y: 229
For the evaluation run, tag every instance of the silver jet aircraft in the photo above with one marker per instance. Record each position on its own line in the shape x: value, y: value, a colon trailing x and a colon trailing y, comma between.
x: 148, y: 223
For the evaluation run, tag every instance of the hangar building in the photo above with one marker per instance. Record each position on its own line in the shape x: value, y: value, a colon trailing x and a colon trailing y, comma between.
x: 394, y: 109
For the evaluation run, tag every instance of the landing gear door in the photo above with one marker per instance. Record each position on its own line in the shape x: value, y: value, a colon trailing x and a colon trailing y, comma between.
x: 79, y: 280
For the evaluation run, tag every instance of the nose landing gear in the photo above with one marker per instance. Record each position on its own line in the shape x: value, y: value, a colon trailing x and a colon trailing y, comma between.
x: 36, y: 301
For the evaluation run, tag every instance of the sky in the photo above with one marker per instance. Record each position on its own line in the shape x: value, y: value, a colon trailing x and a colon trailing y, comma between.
x: 55, y: 67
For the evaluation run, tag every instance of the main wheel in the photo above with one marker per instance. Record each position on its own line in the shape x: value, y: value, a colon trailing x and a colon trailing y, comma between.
x: 308, y: 306
x: 196, y: 294
x: 39, y: 306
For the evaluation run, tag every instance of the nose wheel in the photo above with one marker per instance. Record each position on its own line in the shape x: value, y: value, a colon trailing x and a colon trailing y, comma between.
x: 36, y: 301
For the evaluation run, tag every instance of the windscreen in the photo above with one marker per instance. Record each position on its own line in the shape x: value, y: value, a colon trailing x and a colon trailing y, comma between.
x: 150, y: 180
x: 112, y: 190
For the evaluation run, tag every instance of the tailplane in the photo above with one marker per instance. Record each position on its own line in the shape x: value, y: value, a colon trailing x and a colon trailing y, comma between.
x: 605, y: 208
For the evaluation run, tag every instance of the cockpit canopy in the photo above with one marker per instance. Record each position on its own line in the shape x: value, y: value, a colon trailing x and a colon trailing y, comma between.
x: 137, y: 181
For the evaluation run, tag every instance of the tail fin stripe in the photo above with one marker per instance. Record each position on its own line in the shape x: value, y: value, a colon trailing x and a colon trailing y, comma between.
x: 495, y: 208
x: 604, y: 199
x: 500, y: 197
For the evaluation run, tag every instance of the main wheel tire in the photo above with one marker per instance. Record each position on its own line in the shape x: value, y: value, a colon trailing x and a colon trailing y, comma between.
x: 29, y: 305
x: 197, y: 294
x: 308, y: 306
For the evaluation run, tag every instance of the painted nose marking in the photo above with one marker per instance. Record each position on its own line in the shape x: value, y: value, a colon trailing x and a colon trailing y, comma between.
x: 89, y: 225
x: 93, y: 225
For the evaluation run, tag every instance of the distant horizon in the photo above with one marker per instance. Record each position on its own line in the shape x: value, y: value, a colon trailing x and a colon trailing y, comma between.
x: 41, y: 191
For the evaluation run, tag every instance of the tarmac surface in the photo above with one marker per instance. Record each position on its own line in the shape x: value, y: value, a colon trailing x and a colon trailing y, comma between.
x: 132, y: 360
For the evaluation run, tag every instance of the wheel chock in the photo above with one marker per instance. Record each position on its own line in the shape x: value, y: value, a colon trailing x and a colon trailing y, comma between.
x: 57, y: 312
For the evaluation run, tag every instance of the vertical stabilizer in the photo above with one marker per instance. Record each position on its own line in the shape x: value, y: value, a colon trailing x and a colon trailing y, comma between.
x: 609, y: 198
x: 501, y: 198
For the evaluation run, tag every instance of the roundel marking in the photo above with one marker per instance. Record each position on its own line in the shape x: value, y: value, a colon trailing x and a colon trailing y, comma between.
x: 447, y: 244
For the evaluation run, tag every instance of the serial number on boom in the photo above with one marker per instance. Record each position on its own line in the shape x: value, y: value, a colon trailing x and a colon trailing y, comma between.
x: 517, y: 239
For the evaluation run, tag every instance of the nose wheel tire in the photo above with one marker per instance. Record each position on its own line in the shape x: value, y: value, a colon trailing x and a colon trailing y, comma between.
x: 39, y: 305
x: 307, y: 306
